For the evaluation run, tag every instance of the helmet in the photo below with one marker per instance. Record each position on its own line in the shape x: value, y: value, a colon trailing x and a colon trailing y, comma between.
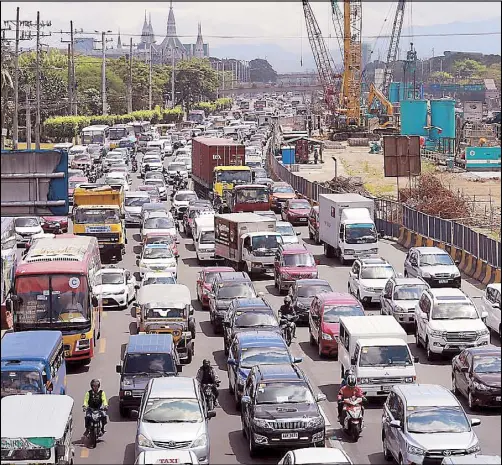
x: 95, y: 382
x: 287, y: 300
x: 348, y: 373
x: 178, y: 172
x: 206, y: 363
x: 351, y: 380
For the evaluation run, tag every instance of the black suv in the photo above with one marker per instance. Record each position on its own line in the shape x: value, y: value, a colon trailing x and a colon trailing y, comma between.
x: 302, y: 293
x: 226, y: 287
x: 279, y: 409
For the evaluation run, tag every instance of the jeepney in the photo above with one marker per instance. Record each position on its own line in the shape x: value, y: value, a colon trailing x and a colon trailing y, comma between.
x: 167, y: 308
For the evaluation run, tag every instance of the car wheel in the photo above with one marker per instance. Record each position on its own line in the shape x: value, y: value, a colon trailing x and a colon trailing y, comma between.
x: 230, y: 388
x: 430, y: 354
x: 198, y: 296
x: 417, y: 337
x: 470, y: 401
x: 275, y: 282
x: 401, y: 461
x: 190, y: 355
x: 253, y: 450
x: 387, y: 455
x: 405, y: 274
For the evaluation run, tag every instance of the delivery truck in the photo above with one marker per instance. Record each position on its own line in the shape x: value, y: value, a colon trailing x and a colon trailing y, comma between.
x: 246, y: 241
x: 347, y: 227
x: 217, y: 165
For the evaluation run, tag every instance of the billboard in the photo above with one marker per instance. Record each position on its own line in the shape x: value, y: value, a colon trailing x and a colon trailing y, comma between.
x: 401, y: 156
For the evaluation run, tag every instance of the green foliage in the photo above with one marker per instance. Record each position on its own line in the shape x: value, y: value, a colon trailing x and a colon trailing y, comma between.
x: 441, y: 76
x: 212, y: 107
x: 261, y: 71
x: 469, y: 68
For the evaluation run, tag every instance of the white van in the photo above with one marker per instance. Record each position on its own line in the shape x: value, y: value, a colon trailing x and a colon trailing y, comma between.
x: 376, y: 349
x: 203, y: 235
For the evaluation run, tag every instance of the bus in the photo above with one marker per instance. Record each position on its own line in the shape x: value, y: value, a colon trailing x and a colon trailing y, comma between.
x: 53, y: 291
x: 98, y: 134
x: 197, y: 116
x: 140, y: 127
x: 118, y: 132
x: 33, y: 363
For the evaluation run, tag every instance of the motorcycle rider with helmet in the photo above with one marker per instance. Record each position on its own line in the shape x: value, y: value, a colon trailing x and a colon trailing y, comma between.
x: 95, y: 399
x: 177, y: 178
x: 347, y: 392
x: 287, y: 310
x: 207, y: 375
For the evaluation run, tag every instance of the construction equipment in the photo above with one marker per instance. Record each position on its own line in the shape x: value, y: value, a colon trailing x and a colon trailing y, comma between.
x: 383, y: 109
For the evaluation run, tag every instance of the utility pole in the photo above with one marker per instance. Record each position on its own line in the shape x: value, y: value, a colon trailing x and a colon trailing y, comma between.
x: 104, y: 40
x: 28, y: 118
x: 72, y: 84
x: 70, y: 87
x: 150, y: 79
x: 15, y: 121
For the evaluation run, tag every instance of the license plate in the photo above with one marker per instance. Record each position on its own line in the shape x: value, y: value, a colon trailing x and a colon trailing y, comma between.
x: 443, y: 281
x: 303, y: 219
x: 289, y: 435
x: 66, y: 353
x: 497, y: 399
x: 386, y: 388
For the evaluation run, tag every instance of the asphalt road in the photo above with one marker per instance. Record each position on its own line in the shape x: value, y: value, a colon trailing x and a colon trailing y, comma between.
x: 228, y: 445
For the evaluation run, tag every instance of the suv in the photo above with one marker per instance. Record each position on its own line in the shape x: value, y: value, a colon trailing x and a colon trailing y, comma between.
x: 447, y: 321
x: 423, y: 423
x: 292, y: 262
x: 146, y: 356
x: 433, y: 265
x: 226, y: 287
x: 173, y: 415
x: 279, y: 409
x: 491, y: 304
x: 368, y: 277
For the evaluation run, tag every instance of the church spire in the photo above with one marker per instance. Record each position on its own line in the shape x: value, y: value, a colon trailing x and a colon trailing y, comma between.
x: 119, y: 42
x: 171, y: 22
x: 199, y: 44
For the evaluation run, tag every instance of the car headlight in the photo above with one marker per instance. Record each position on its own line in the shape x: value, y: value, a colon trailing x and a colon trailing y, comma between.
x: 327, y: 337
x: 315, y: 422
x: 480, y: 386
x: 436, y: 333
x: 409, y: 379
x: 143, y: 441
x: 301, y: 306
x: 127, y: 382
x: 398, y: 309
x: 363, y: 381
x: 285, y: 275
x: 425, y: 275
x: 415, y: 450
x: 349, y: 251
x: 473, y: 449
x: 373, y: 251
x: 456, y: 274
x: 121, y: 291
x: 483, y: 332
x: 262, y: 423
x: 368, y: 289
x: 201, y: 441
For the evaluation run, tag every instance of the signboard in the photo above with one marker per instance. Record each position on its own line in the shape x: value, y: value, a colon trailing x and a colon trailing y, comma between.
x: 302, y: 151
x: 401, y: 156
x: 34, y: 182
x: 473, y: 111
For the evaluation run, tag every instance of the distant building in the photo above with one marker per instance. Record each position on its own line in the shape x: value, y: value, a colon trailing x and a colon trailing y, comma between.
x: 365, y: 54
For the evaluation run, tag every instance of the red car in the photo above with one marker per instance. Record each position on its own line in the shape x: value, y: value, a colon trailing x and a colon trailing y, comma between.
x: 296, y: 211
x: 314, y: 225
x: 292, y: 262
x: 324, y: 319
x: 54, y: 224
x: 205, y: 282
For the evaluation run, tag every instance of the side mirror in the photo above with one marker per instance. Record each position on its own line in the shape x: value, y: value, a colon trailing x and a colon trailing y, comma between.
x: 191, y: 311
x: 298, y: 233
x: 484, y: 315
x: 118, y: 369
x: 136, y: 286
x: 416, y: 359
x: 297, y: 360
x: 424, y: 315
x: 94, y: 301
x: 260, y: 294
x: 475, y: 421
x: 457, y: 262
x: 395, y: 424
x: 387, y: 295
x: 231, y: 362
x: 211, y: 414
x: 353, y: 361
x: 320, y: 397
x: 246, y: 400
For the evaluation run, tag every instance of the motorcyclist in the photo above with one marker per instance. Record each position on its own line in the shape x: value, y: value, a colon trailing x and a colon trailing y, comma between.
x: 177, y: 177
x: 95, y: 399
x: 348, y: 391
x: 288, y: 311
x: 207, y: 375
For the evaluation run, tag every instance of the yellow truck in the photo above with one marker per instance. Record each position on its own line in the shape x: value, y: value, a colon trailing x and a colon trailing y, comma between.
x: 99, y: 211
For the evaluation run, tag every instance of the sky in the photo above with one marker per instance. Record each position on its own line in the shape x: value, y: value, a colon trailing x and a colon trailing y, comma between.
x: 228, y: 23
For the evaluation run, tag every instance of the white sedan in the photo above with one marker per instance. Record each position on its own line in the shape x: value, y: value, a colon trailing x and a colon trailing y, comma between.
x: 158, y: 223
x: 158, y: 277
x: 117, y: 288
x: 288, y: 233
x: 157, y: 257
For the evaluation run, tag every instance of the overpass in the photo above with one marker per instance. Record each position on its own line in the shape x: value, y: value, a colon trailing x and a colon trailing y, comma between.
x: 261, y: 89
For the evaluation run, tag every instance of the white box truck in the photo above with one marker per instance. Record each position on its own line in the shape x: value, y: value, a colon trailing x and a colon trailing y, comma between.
x: 203, y: 237
x: 376, y: 349
x: 247, y: 241
x: 347, y: 227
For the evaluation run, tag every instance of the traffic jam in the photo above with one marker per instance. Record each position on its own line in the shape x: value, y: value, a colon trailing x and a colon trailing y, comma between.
x: 193, y: 308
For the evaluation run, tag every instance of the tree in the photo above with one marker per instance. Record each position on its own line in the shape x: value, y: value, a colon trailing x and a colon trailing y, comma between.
x: 468, y: 68
x: 441, y: 76
x: 261, y: 71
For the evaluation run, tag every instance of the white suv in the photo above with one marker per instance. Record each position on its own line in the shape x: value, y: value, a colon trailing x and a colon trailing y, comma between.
x: 368, y: 277
x: 491, y: 305
x: 447, y: 321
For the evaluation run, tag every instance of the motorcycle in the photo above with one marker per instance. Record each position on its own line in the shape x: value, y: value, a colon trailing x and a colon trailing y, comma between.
x: 353, y: 413
x: 134, y: 165
x: 287, y: 326
x: 207, y: 390
x: 95, y: 416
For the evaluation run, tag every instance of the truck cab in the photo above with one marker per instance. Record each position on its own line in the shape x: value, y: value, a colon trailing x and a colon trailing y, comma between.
x: 227, y: 177
x: 248, y: 198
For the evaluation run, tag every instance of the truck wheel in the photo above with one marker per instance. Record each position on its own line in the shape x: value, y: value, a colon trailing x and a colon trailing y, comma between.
x: 189, y: 357
x: 329, y: 251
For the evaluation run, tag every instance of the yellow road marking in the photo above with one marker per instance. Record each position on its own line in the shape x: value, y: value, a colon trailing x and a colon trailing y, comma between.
x: 84, y: 453
x: 102, y: 345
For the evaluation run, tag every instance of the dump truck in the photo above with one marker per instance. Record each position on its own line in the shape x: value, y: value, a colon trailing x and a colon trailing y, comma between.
x: 99, y: 211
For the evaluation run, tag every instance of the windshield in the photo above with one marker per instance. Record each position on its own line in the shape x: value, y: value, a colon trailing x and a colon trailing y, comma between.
x: 53, y: 299
x: 157, y: 252
x: 436, y: 259
x: 285, y: 230
x: 148, y: 363
x: 165, y: 313
x: 93, y: 138
x: 117, y: 133
x: 486, y: 364
x: 384, y: 356
x: 283, y: 190
x: 333, y: 314
x: 231, y: 291
x: 155, y: 182
x: 159, y: 223
x: 234, y: 177
x: 114, y: 180
x: 454, y: 312
x: 409, y: 292
x: 159, y: 280
x: 185, y: 196
x: 73, y: 184
x: 311, y: 291
x: 176, y: 167
x: 207, y: 237
x: 300, y: 259
x: 266, y: 242
x: 299, y: 205
x: 20, y: 382
x: 252, y: 195
x: 360, y: 234
x: 136, y: 201
x: 112, y: 278
x: 254, y: 319
x: 26, y: 222
x: 284, y: 393
x: 377, y: 272
x: 96, y: 216
x: 437, y: 420
x: 251, y: 356
x: 172, y: 411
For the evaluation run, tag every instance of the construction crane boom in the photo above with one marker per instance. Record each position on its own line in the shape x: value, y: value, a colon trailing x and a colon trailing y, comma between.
x: 393, y: 46
x: 337, y: 16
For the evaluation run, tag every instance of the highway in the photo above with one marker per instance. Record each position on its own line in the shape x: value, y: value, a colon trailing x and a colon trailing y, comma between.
x: 228, y: 445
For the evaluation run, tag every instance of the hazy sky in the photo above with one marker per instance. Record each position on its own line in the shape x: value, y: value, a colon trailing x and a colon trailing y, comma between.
x: 281, y: 23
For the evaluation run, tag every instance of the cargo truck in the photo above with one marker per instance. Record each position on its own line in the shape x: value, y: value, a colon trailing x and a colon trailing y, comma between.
x: 246, y: 241
x: 346, y: 226
x: 218, y: 165
x: 248, y: 198
x: 99, y: 211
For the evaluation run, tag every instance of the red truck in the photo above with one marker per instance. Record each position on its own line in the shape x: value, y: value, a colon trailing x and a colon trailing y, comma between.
x: 209, y: 153
x: 248, y: 198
